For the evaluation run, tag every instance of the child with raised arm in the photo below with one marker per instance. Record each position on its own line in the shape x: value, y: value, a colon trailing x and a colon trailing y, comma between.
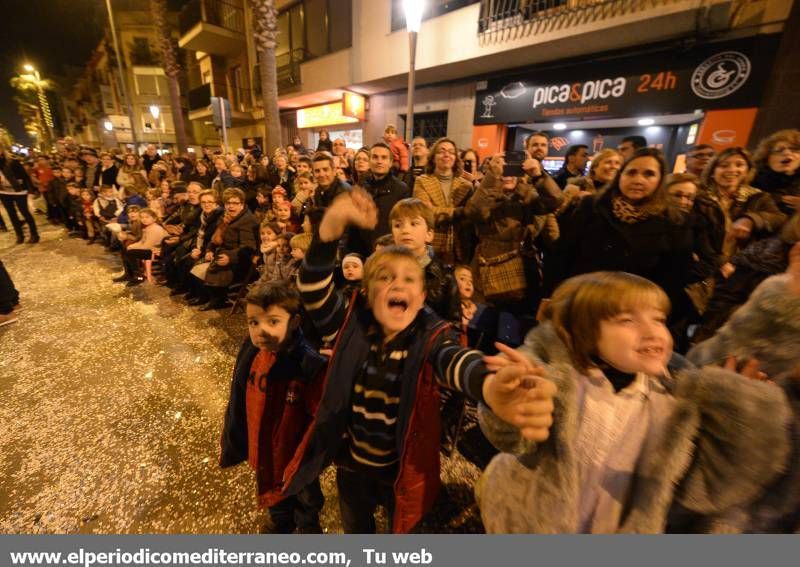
x: 276, y: 387
x: 379, y: 416
x: 631, y: 439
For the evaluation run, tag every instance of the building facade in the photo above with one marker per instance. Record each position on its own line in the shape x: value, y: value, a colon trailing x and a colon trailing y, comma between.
x: 96, y: 108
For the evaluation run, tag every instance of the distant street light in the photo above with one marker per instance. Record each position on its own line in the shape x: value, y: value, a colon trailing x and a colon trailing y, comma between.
x: 155, y: 112
x: 414, y: 9
x: 44, y: 105
x: 108, y: 125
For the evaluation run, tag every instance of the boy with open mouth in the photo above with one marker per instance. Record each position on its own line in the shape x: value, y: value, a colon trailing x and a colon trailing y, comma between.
x: 379, y: 416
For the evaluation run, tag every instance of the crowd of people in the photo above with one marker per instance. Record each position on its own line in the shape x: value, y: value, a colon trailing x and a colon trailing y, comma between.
x: 617, y: 347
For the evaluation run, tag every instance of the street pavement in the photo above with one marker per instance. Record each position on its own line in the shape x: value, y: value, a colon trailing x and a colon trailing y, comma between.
x: 111, y: 405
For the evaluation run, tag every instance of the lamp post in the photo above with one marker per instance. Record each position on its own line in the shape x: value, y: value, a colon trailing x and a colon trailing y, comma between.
x: 123, y: 79
x: 413, y: 10
x: 155, y: 112
x: 44, y: 106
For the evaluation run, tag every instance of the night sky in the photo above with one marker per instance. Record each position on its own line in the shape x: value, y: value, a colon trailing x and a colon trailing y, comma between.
x: 49, y: 34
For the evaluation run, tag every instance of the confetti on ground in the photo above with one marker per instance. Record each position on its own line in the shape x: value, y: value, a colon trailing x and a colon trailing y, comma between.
x: 86, y: 448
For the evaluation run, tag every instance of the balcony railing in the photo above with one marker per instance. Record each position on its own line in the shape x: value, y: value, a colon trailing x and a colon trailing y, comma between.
x: 288, y: 71
x: 199, y: 97
x: 222, y: 13
x: 500, y: 15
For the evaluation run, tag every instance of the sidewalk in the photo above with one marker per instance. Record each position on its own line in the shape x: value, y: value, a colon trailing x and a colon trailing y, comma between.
x: 111, y: 401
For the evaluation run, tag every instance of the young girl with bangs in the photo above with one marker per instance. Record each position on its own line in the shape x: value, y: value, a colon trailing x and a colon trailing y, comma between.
x: 635, y: 433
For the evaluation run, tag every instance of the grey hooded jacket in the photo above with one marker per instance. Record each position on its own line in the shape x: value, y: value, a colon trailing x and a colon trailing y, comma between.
x: 717, y: 440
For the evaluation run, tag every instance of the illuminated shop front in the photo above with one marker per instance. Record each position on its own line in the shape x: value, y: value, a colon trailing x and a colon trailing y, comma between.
x: 675, y: 98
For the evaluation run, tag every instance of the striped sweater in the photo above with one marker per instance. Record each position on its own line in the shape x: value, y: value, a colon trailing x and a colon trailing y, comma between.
x: 375, y: 398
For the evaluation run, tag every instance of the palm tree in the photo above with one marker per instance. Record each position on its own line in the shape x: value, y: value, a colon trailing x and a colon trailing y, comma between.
x: 265, y: 22
x: 169, y: 61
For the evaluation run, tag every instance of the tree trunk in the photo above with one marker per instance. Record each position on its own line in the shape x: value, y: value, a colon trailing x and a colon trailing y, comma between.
x: 177, y: 114
x: 169, y: 62
x: 265, y: 21
x: 269, y: 90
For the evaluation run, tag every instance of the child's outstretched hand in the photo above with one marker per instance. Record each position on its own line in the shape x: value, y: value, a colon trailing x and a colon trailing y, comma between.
x: 355, y: 208
x: 519, y: 394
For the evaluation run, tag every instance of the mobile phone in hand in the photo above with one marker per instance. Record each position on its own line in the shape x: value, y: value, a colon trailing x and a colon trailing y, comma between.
x: 513, y: 166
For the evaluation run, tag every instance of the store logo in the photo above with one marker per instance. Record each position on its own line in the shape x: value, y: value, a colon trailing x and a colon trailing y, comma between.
x: 513, y: 90
x: 559, y: 142
x: 723, y: 136
x: 488, y: 103
x: 720, y: 75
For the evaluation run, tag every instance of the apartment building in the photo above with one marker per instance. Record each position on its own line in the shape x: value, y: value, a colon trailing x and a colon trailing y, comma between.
x: 95, y: 106
x: 491, y: 71
x: 224, y: 62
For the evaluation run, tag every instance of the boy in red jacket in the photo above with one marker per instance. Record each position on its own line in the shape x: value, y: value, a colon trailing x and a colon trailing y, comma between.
x: 276, y: 388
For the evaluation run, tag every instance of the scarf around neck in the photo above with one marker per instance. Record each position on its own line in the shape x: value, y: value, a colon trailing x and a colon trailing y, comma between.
x: 626, y: 211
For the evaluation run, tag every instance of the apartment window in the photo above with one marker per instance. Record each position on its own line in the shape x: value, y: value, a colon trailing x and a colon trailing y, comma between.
x: 140, y: 52
x: 164, y: 124
x: 150, y: 81
x: 428, y: 125
x: 315, y: 28
x: 146, y: 84
x: 433, y: 8
x: 239, y: 95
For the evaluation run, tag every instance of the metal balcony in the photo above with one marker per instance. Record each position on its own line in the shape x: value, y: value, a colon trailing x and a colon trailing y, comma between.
x: 199, y: 100
x: 212, y: 26
x: 502, y: 15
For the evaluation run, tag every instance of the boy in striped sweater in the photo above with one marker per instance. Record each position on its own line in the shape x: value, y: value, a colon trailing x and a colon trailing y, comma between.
x: 379, y: 417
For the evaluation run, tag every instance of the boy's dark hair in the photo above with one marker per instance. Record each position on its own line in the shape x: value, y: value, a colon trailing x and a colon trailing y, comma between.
x: 72, y: 184
x: 412, y: 207
x: 304, y: 159
x: 385, y: 240
x: 104, y: 187
x: 383, y: 145
x: 636, y: 141
x: 574, y: 149
x: 323, y: 156
x: 698, y: 147
x: 272, y: 225
x: 277, y: 293
x: 134, y: 209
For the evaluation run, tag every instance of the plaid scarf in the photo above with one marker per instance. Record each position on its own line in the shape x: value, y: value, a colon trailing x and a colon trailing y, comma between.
x: 626, y: 211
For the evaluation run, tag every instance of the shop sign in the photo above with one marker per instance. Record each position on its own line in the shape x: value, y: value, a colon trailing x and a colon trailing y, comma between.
x: 354, y: 105
x: 720, y: 75
x: 323, y: 115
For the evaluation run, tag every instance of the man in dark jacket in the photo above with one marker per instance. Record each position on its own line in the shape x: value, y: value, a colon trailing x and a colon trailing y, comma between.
x: 108, y: 170
x: 328, y: 187
x: 182, y: 227
x: 14, y: 187
x: 574, y: 164
x: 386, y: 190
x: 92, y: 168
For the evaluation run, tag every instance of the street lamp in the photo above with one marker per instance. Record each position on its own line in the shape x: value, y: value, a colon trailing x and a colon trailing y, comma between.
x: 44, y: 106
x: 155, y: 111
x: 413, y: 10
x: 108, y: 125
